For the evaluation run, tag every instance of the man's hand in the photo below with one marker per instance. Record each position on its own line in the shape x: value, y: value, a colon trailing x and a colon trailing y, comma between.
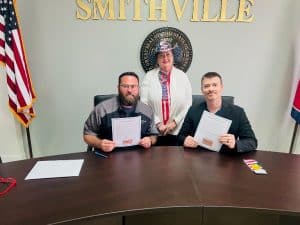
x: 107, y: 145
x: 228, y: 140
x: 190, y: 142
x: 145, y: 142
x: 103, y: 144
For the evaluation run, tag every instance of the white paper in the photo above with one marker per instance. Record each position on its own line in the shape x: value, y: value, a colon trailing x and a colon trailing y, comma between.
x: 209, y: 129
x: 55, y: 168
x: 126, y: 131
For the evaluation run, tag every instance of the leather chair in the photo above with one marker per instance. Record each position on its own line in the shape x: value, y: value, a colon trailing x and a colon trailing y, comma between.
x: 97, y: 100
x: 195, y: 99
x: 101, y: 98
x: 200, y: 98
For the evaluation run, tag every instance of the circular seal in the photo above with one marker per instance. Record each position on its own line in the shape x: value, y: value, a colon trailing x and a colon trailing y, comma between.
x: 183, y: 53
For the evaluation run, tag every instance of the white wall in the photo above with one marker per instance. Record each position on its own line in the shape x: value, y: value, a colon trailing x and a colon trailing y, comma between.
x: 12, y: 146
x: 72, y: 60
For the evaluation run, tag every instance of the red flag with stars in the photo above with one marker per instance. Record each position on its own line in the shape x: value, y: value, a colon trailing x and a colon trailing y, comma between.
x: 295, y: 113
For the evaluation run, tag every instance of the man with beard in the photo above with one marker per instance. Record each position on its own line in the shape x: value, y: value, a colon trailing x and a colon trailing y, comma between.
x: 98, y: 127
x: 240, y: 137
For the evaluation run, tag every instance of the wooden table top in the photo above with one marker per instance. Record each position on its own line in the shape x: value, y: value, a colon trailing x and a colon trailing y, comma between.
x: 161, y: 177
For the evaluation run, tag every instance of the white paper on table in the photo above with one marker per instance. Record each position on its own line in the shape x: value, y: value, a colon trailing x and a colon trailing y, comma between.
x: 209, y: 129
x: 55, y: 168
x: 126, y: 131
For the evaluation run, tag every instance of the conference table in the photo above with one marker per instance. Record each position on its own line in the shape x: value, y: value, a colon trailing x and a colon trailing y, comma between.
x: 161, y: 185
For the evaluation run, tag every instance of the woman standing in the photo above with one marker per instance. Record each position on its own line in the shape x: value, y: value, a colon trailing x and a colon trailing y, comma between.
x: 169, y: 93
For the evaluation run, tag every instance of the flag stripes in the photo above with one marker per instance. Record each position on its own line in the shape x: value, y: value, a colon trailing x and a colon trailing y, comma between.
x: 12, y: 56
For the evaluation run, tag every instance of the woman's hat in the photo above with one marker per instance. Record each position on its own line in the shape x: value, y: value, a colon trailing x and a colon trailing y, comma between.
x: 163, y: 46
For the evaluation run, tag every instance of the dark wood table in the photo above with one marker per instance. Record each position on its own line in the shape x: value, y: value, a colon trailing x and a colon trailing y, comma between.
x: 163, y: 185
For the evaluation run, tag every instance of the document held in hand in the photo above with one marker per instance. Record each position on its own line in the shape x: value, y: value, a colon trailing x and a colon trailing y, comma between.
x: 209, y: 129
x: 126, y: 131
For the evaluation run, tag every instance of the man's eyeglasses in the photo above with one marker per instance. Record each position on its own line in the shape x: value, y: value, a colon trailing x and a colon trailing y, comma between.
x: 129, y: 86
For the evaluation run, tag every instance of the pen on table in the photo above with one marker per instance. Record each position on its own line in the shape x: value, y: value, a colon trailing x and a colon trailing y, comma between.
x: 100, y: 154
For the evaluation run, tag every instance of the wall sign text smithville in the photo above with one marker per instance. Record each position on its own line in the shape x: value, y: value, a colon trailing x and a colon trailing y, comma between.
x: 160, y: 10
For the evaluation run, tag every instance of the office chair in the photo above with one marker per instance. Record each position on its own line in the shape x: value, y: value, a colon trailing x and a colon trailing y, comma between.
x: 0, y: 160
x: 97, y: 100
x: 195, y: 98
x: 101, y: 98
x: 200, y: 98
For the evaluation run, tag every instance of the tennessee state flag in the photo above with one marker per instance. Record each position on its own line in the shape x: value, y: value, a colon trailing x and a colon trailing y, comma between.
x: 295, y: 113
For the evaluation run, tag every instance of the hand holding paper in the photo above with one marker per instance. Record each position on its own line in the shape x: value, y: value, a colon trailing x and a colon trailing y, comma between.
x: 210, y: 128
x: 126, y: 131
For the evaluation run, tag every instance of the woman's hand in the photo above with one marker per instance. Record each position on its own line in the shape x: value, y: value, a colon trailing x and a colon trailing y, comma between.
x: 161, y: 128
x: 170, y: 127
x: 166, y: 129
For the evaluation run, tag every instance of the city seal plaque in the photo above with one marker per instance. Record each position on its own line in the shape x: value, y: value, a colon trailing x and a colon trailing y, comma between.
x: 182, y: 48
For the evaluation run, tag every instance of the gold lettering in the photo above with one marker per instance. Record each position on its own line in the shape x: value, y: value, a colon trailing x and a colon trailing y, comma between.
x: 213, y: 10
x: 179, y: 10
x: 122, y: 15
x: 245, y: 10
x: 224, y: 12
x: 195, y: 15
x: 102, y: 9
x: 152, y: 8
x: 85, y: 8
x: 137, y: 10
x: 206, y: 13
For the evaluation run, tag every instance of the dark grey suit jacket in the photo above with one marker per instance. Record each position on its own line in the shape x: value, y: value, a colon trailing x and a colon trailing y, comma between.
x: 240, y: 126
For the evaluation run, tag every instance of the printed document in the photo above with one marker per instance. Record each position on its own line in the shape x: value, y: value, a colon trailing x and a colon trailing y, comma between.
x: 55, y: 168
x: 209, y: 129
x: 126, y: 131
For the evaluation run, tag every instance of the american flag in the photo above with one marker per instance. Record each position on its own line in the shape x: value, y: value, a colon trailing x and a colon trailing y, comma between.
x: 12, y: 55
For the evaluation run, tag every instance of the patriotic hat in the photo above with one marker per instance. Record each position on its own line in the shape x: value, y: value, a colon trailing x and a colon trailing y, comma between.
x: 163, y: 46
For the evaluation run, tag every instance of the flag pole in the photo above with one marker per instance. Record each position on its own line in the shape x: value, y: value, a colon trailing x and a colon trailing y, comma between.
x: 293, y: 138
x: 29, y: 142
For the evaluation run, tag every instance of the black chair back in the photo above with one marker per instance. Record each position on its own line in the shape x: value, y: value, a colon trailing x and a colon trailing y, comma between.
x: 101, y: 98
x: 200, y: 98
x: 196, y: 98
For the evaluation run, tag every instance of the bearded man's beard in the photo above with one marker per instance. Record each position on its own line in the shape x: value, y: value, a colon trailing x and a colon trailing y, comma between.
x: 128, y: 100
